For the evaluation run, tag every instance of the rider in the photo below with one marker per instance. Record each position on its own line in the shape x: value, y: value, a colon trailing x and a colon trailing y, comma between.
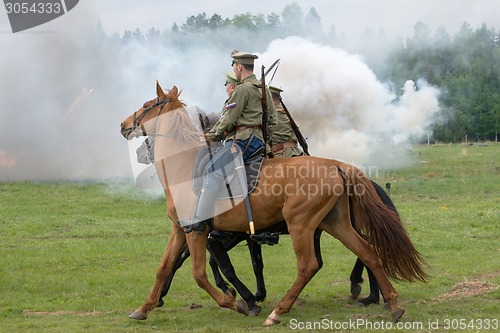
x: 231, y: 82
x: 284, y: 141
x: 240, y: 124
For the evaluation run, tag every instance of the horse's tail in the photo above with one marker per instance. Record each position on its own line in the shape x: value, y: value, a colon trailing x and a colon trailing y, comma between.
x: 382, y: 227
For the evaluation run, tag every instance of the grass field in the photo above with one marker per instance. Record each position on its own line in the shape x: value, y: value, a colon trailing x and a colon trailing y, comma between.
x: 79, y: 257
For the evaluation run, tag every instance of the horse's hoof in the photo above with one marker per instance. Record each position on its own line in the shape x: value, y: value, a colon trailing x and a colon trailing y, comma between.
x: 368, y: 300
x: 396, y: 315
x: 160, y: 303
x: 231, y: 292
x: 242, y: 307
x: 260, y: 297
x: 355, y: 291
x: 137, y: 316
x: 254, y: 311
x: 273, y: 319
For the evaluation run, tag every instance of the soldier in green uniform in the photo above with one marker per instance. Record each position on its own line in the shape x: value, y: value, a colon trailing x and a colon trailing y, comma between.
x: 231, y: 82
x: 284, y: 141
x: 241, y: 124
x: 241, y: 121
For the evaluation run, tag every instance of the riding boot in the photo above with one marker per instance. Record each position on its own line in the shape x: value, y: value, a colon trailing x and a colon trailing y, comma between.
x: 198, y: 227
x: 204, y: 210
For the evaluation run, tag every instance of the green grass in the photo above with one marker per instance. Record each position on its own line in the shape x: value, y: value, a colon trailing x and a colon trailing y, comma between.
x: 79, y: 257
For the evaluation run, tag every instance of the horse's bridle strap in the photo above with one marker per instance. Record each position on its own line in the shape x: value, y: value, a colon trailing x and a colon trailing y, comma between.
x: 137, y: 120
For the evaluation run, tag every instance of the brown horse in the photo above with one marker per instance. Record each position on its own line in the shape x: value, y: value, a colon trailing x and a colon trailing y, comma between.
x: 307, y: 192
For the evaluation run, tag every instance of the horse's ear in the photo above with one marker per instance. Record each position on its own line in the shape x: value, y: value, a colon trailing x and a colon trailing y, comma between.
x: 175, y: 91
x: 159, y: 91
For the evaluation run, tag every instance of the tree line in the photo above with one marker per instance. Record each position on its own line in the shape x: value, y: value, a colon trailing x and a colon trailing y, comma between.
x: 465, y: 66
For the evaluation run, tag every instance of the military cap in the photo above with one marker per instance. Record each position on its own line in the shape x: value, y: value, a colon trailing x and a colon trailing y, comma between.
x: 231, y: 78
x: 243, y: 58
x: 275, y: 90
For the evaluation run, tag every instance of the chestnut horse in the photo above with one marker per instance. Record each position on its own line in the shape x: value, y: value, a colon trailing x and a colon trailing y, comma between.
x: 307, y: 192
x: 218, y: 244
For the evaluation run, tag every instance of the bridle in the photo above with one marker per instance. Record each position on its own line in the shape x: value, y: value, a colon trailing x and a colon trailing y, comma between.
x: 138, y: 119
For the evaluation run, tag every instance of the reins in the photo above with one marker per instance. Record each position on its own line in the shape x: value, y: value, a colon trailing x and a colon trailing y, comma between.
x: 137, y: 120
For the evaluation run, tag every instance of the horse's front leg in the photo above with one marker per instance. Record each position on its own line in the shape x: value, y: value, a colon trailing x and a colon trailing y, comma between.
x: 219, y: 280
x: 168, y: 282
x: 219, y: 258
x: 374, y: 296
x: 197, y: 247
x: 356, y: 279
x: 174, y: 248
x: 220, y: 255
x: 258, y: 269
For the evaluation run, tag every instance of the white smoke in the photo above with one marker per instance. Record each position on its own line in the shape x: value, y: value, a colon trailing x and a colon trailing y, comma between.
x: 343, y: 109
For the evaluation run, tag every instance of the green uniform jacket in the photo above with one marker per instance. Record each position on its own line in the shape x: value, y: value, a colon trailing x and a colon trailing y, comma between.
x: 282, y: 133
x: 244, y: 108
x: 222, y: 115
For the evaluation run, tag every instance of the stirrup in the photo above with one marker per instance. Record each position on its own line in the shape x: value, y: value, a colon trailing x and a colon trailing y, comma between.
x: 221, y: 236
x: 198, y: 227
x: 266, y: 238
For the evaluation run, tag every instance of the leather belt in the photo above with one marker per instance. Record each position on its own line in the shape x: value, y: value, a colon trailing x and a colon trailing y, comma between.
x: 242, y: 128
x: 281, y: 146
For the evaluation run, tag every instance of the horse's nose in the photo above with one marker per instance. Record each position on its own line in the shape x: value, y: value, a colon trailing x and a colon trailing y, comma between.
x: 123, y: 130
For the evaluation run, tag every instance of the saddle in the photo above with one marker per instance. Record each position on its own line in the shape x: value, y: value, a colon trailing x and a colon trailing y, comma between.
x: 223, y: 160
x: 227, y: 163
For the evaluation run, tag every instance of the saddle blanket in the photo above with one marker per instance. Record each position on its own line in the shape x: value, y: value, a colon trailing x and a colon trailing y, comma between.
x: 236, y: 178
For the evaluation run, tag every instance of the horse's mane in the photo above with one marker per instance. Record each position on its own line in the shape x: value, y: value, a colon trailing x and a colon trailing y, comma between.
x: 177, y: 125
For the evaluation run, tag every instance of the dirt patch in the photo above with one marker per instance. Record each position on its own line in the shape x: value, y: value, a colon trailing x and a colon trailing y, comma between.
x: 469, y: 288
x: 195, y: 306
x: 61, y: 313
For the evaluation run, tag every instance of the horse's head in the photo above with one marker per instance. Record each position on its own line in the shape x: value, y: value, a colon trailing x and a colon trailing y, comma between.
x: 135, y: 124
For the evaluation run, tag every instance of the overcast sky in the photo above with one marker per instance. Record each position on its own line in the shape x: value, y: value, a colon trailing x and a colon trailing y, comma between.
x: 396, y: 17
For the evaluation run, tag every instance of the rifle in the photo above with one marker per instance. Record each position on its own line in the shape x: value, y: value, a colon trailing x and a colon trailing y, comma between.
x: 271, y: 67
x: 296, y: 130
x: 264, y: 109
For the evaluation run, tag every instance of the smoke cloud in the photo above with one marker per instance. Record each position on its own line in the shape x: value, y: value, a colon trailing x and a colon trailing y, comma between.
x: 52, y: 126
x: 343, y: 109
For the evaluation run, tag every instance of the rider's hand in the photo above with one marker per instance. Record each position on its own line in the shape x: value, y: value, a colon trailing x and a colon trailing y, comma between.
x: 210, y: 136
